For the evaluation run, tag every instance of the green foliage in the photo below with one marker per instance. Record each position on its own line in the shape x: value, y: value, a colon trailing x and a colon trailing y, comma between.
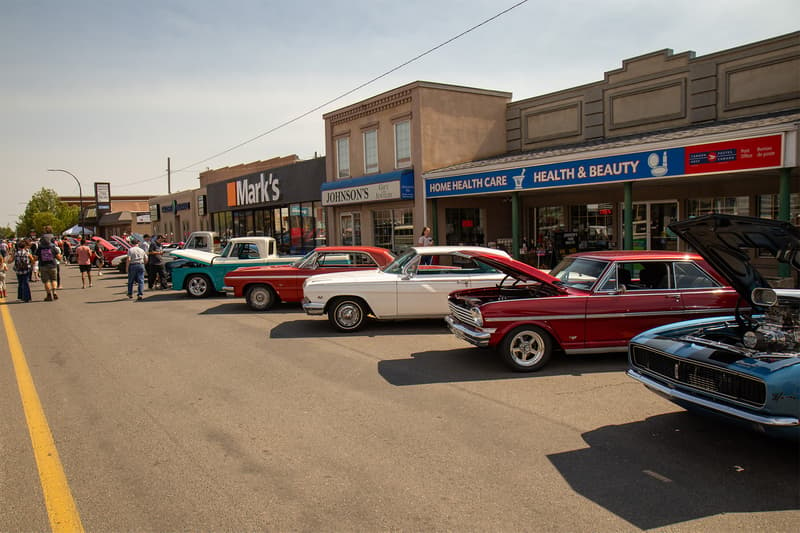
x: 45, y: 209
x: 6, y: 232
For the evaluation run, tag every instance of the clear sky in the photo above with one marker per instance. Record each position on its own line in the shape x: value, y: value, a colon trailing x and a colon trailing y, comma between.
x: 108, y: 89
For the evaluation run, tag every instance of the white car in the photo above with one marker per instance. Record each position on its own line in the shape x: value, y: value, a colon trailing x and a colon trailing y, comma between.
x: 415, y: 285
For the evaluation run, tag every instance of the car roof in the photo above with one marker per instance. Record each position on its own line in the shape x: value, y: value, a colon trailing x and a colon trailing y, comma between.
x: 427, y: 250
x: 375, y: 249
x: 637, y: 255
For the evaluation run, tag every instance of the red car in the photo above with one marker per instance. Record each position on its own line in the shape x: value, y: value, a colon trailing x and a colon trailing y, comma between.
x: 263, y: 286
x: 110, y: 250
x: 591, y: 302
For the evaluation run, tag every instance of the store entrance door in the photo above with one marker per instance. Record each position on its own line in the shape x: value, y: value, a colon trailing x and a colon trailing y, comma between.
x: 650, y: 221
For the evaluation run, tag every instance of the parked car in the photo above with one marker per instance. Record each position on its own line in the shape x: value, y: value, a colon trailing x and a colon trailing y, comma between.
x: 110, y: 250
x: 415, y: 285
x: 590, y: 302
x: 263, y: 286
x: 202, y: 273
x: 745, y: 367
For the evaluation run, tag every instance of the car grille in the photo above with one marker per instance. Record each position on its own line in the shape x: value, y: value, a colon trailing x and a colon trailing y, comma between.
x: 461, y: 314
x: 701, y: 377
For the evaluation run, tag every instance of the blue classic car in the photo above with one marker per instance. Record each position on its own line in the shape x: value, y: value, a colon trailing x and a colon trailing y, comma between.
x: 746, y: 367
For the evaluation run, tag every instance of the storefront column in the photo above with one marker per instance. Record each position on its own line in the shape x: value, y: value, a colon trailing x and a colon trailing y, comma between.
x: 628, y: 210
x: 515, y: 225
x: 784, y: 210
x: 435, y: 221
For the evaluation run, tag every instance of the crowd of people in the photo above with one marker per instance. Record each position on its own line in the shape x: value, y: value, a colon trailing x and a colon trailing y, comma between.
x: 40, y: 260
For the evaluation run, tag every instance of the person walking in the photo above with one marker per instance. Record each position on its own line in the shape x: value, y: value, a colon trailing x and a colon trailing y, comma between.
x: 135, y: 267
x: 99, y: 259
x: 83, y: 254
x: 425, y: 239
x: 47, y: 256
x: 23, y: 265
x: 3, y: 270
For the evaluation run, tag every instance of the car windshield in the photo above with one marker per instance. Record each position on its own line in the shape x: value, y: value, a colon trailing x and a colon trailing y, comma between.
x: 579, y: 273
x: 396, y: 266
x: 307, y: 261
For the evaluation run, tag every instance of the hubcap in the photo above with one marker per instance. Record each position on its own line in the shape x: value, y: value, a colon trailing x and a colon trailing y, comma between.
x: 527, y: 348
x: 348, y: 315
x: 197, y: 286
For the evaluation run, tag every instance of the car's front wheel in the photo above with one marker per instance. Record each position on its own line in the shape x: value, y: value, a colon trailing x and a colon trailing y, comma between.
x: 260, y: 298
x: 198, y: 286
x: 347, y: 314
x: 526, y: 348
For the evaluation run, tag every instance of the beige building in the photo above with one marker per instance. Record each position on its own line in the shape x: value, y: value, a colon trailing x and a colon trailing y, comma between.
x: 610, y: 164
x: 378, y: 149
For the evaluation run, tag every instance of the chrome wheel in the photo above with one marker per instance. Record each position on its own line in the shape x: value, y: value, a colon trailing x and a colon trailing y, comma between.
x: 198, y: 286
x: 347, y: 314
x: 260, y: 298
x: 527, y: 349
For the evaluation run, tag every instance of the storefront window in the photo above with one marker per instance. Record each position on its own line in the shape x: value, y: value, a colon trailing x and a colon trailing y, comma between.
x: 350, y: 224
x: 394, y: 229
x: 464, y: 226
x: 730, y: 205
x: 768, y: 207
x: 594, y: 225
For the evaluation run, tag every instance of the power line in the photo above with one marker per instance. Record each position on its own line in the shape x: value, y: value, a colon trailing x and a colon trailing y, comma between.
x: 351, y: 91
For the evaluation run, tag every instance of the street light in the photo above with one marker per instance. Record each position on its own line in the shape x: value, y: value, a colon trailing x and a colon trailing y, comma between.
x: 80, y: 194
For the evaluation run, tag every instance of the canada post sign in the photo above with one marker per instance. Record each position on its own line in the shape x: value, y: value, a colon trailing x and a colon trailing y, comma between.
x: 741, y: 154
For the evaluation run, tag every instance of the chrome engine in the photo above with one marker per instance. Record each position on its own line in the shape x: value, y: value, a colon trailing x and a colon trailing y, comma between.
x: 778, y: 331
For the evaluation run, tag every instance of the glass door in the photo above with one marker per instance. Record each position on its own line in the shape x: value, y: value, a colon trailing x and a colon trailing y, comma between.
x: 650, y: 225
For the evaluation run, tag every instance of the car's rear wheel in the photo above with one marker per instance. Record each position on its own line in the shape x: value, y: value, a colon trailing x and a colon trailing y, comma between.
x: 347, y: 314
x: 260, y: 298
x: 526, y: 348
x: 198, y: 286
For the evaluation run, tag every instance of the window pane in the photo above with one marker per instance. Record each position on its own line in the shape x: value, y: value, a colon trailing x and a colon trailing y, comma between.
x: 343, y: 157
x: 402, y: 144
x: 370, y: 151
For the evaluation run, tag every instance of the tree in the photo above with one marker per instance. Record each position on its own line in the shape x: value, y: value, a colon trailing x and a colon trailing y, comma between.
x: 45, y: 209
x: 6, y: 232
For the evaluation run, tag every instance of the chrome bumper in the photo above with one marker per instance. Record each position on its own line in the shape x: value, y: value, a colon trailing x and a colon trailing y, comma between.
x: 313, y: 308
x: 478, y: 338
x: 228, y: 290
x: 675, y: 394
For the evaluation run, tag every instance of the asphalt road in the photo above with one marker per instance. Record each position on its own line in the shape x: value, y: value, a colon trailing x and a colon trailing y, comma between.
x: 176, y: 414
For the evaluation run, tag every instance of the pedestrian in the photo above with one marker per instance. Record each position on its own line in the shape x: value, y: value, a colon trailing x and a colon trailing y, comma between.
x: 23, y: 265
x: 32, y: 247
x: 425, y: 239
x: 156, y: 274
x: 135, y: 267
x: 98, y: 258
x: 3, y: 248
x: 3, y: 270
x: 66, y: 250
x: 47, y: 256
x: 83, y: 255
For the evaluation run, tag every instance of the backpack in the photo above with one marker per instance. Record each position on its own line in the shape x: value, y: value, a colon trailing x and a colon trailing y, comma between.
x: 47, y: 255
x: 22, y: 263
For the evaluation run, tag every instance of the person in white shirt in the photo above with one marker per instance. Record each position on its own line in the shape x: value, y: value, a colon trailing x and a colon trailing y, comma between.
x: 135, y: 267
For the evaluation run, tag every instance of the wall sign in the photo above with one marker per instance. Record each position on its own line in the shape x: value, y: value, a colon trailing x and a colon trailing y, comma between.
x: 390, y: 186
x: 726, y: 156
x: 102, y: 197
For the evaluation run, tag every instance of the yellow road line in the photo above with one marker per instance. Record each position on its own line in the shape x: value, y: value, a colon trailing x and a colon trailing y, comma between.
x: 61, y: 509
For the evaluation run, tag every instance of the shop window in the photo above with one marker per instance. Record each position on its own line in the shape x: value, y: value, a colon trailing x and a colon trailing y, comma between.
x: 394, y: 229
x: 768, y: 206
x: 350, y: 224
x: 593, y: 224
x: 321, y: 224
x: 729, y: 205
x: 402, y: 144
x: 343, y: 157
x: 464, y: 226
x: 370, y: 152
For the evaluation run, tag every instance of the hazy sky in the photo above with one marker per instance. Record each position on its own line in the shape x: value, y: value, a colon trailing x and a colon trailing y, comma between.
x: 108, y: 89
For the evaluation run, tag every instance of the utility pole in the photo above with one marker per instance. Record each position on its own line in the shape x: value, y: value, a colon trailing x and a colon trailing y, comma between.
x: 169, y: 179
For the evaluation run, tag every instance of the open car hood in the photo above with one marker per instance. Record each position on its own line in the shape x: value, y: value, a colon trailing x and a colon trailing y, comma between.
x: 515, y: 269
x: 197, y: 256
x: 723, y: 241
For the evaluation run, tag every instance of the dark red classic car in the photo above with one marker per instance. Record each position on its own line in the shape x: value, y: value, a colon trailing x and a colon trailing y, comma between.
x: 263, y: 286
x: 592, y: 302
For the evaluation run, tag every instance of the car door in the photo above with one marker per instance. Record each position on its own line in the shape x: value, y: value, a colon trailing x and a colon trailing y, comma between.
x: 424, y: 289
x: 617, y: 311
x: 701, y: 294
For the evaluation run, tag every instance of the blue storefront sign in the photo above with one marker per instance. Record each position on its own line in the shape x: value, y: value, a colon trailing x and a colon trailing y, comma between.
x: 397, y: 185
x: 641, y: 165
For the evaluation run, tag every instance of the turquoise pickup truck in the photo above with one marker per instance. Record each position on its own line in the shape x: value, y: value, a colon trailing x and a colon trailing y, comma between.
x: 202, y: 273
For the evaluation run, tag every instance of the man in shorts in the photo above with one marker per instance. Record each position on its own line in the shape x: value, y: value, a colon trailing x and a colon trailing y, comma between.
x: 83, y: 254
x: 47, y: 257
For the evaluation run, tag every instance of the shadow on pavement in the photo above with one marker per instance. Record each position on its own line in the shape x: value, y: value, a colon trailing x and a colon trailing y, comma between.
x: 476, y: 364
x: 239, y: 307
x: 320, y: 327
x: 678, y: 467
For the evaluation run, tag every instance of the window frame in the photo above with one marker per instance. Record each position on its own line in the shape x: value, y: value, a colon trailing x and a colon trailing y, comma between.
x: 370, y: 167
x: 402, y: 162
x: 342, y: 148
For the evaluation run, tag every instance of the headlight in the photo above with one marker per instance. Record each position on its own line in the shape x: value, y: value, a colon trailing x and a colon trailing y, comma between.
x: 477, y: 317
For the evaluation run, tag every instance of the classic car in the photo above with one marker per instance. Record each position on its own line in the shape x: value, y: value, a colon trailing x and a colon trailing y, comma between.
x: 263, y: 286
x: 110, y: 250
x: 591, y: 302
x: 415, y: 285
x: 202, y: 273
x: 744, y: 367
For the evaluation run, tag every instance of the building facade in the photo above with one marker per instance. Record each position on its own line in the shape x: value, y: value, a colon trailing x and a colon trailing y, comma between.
x: 379, y: 148
x: 610, y: 164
